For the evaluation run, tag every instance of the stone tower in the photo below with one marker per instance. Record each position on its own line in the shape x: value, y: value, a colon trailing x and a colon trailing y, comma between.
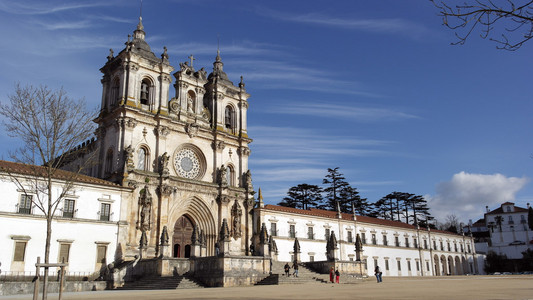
x: 185, y: 157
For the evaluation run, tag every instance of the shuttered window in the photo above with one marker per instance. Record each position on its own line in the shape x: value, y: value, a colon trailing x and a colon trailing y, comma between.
x: 64, y: 251
x: 20, y: 251
x: 101, y: 254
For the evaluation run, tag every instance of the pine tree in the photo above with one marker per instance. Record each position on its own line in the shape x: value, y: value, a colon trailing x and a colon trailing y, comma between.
x: 303, y: 196
x: 335, y: 184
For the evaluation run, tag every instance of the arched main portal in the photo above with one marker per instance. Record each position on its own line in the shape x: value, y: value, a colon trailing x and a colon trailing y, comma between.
x: 181, y: 239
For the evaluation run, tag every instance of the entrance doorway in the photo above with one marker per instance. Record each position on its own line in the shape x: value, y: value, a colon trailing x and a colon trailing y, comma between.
x: 181, y: 240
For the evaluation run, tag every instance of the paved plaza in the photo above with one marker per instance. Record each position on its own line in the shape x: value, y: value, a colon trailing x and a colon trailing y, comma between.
x: 453, y: 287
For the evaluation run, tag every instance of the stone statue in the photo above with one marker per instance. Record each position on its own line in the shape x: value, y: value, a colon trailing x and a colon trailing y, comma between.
x: 145, y: 208
x: 236, y: 213
x: 249, y: 185
x: 164, y: 165
x: 128, y: 155
x: 190, y: 104
x: 110, y: 56
x: 223, y: 180
x: 165, y: 54
x: 164, y: 236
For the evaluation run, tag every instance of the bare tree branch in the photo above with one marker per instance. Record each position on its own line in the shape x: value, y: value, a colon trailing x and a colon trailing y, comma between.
x: 509, y: 25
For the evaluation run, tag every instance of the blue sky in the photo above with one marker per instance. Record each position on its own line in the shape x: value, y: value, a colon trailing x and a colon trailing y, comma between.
x: 372, y: 87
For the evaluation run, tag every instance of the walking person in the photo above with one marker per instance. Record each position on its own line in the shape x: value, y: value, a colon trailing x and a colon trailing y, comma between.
x: 337, y: 276
x: 287, y: 269
x: 377, y: 272
x: 295, y: 267
x: 331, y: 275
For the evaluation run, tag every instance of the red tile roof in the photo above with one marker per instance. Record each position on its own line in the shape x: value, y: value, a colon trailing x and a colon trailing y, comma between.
x: 29, y: 170
x: 345, y: 216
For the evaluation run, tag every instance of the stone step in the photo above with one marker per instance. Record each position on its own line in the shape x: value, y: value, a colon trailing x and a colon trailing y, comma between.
x: 162, y: 283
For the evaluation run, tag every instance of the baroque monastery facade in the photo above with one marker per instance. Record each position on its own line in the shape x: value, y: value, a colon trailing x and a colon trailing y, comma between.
x: 171, y: 182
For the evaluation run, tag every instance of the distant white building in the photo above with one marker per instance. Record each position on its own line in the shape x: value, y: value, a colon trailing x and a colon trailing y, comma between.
x: 508, y: 230
x: 85, y: 228
x: 399, y: 249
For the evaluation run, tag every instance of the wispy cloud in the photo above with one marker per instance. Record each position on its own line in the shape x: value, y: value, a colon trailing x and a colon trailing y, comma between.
x: 45, y: 7
x: 354, y: 113
x: 380, y: 25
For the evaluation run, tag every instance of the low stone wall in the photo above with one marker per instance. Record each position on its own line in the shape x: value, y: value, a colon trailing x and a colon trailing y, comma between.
x: 132, y: 270
x: 169, y: 266
x: 225, y: 271
x: 354, y: 268
x: 19, y: 288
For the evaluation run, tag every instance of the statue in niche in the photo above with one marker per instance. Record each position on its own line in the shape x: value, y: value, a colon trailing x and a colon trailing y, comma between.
x: 190, y: 104
x: 236, y: 213
x: 145, y: 209
x: 164, y: 165
x: 128, y: 155
x: 223, y: 180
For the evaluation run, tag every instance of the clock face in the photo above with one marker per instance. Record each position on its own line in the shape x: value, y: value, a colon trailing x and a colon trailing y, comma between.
x: 187, y: 164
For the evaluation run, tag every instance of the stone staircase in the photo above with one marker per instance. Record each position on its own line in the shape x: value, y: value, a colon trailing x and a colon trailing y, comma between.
x: 305, y: 275
x: 162, y: 283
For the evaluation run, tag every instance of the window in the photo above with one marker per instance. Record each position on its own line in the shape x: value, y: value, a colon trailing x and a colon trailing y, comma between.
x: 365, y: 262
x: 273, y: 229
x: 523, y: 219
x: 427, y: 266
x: 407, y: 242
x: 508, y: 208
x: 441, y: 246
x: 418, y: 266
x: 386, y: 264
x: 310, y: 234
x: 468, y: 248
x: 229, y: 119
x: 326, y: 234
x: 363, y: 238
x: 101, y: 254
x: 375, y: 262
x: 350, y: 237
x: 425, y: 244
x: 292, y: 231
x: 142, y: 161
x: 311, y: 258
x: 105, y: 210
x: 455, y: 246
x: 114, y: 92
x: 385, y: 242
x: 434, y: 245
x: 64, y: 251
x: 449, y: 248
x: 399, y: 265
x: 415, y: 242
x: 462, y: 248
x: 396, y: 241
x: 511, y: 220
x: 68, y: 208
x: 374, y: 241
x: 25, y: 204
x: 20, y: 251
x: 409, y: 265
x: 145, y: 92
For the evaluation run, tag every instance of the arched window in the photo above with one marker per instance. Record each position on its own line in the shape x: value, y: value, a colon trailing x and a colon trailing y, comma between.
x: 108, y: 162
x: 229, y: 119
x: 145, y: 92
x: 142, y: 159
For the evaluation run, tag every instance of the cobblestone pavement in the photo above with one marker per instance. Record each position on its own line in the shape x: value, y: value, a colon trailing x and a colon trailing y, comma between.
x: 453, y: 287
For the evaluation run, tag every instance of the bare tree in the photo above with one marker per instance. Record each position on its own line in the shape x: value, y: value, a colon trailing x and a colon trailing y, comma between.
x: 509, y: 23
x: 50, y: 125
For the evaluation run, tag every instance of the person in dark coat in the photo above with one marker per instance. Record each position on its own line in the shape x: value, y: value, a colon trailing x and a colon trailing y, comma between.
x: 331, y: 275
x: 295, y: 267
x: 337, y: 276
x: 287, y: 269
x: 377, y: 272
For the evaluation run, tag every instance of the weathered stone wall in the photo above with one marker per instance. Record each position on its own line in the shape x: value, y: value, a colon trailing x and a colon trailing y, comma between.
x: 173, y: 266
x: 230, y: 270
x: 20, y: 288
